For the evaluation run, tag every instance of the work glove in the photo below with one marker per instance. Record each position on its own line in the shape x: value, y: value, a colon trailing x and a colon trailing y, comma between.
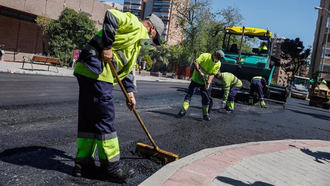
x: 131, y: 102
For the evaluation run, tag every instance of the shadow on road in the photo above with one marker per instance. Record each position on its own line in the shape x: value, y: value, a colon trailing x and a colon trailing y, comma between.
x: 48, y: 159
x: 166, y: 113
x: 319, y: 116
x: 325, y: 156
x: 240, y: 183
x: 318, y: 109
x: 180, y: 89
x: 38, y: 157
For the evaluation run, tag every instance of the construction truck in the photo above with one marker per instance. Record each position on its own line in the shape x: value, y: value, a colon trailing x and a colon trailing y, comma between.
x: 320, y: 96
x: 245, y: 62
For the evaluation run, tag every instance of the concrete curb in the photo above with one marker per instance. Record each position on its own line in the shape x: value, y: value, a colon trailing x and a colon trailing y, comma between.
x: 16, y: 68
x: 173, y: 169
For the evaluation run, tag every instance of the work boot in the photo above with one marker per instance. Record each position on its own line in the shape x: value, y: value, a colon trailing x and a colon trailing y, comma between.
x: 262, y: 104
x: 182, y: 112
x: 207, y: 117
x: 84, y: 168
x: 77, y: 171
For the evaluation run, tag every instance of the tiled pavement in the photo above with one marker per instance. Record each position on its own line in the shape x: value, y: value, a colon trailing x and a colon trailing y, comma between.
x: 287, y: 162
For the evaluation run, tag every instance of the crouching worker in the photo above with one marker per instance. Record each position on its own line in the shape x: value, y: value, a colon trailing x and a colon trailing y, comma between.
x: 231, y: 85
x: 257, y: 85
x: 206, y: 67
x: 119, y: 42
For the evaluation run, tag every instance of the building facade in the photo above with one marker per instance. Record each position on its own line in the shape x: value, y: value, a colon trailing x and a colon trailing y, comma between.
x: 165, y: 9
x: 23, y: 37
x: 320, y: 60
x: 280, y: 77
x: 135, y: 6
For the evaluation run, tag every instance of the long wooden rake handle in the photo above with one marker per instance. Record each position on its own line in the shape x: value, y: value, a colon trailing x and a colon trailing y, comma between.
x: 138, y: 117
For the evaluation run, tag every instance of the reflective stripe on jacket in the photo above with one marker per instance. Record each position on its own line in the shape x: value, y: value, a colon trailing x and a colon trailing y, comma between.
x: 256, y: 77
x: 228, y: 81
x: 122, y: 32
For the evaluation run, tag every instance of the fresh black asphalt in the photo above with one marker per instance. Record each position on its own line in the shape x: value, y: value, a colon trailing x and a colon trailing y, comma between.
x: 38, y: 123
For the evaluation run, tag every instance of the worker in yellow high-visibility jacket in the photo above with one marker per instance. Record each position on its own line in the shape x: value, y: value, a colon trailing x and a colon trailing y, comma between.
x: 207, y: 65
x: 231, y: 85
x: 119, y: 42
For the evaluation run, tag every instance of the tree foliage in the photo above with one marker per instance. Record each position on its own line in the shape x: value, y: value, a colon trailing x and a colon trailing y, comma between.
x: 202, y: 29
x: 293, y: 51
x: 43, y: 23
x: 71, y: 31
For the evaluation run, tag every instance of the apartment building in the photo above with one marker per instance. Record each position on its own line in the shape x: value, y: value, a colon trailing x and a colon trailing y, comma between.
x: 320, y: 60
x: 165, y: 9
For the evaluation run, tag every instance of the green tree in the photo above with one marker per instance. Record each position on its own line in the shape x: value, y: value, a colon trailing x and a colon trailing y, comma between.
x: 203, y: 29
x: 293, y: 51
x: 71, y: 31
x: 160, y: 55
x: 43, y: 23
x: 189, y: 19
x: 148, y: 59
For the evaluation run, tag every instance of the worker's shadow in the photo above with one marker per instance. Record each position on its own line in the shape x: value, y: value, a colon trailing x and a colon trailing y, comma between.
x: 232, y: 181
x: 38, y: 157
x: 325, y: 156
x: 175, y: 115
x: 180, y: 89
x: 47, y: 159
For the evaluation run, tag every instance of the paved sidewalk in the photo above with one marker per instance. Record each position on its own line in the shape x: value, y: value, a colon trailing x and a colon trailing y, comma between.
x: 15, y: 67
x: 286, y: 162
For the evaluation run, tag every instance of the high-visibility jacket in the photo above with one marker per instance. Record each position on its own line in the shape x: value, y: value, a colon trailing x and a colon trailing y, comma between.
x: 262, y: 80
x: 207, y: 66
x: 324, y: 82
x: 228, y: 81
x: 262, y: 48
x: 122, y: 32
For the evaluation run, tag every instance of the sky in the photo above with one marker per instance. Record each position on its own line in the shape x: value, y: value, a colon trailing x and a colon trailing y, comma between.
x: 285, y: 18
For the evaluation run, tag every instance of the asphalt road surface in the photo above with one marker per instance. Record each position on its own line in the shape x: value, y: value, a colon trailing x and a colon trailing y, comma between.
x: 38, y: 127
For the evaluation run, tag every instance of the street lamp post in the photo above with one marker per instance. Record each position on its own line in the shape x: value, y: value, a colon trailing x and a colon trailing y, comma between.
x: 326, y: 41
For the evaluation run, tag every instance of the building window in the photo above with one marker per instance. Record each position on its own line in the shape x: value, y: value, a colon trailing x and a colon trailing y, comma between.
x: 326, y: 53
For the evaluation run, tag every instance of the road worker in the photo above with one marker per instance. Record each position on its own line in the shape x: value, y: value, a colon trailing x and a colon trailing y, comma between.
x: 119, y: 42
x: 207, y: 65
x: 323, y: 81
x: 262, y: 48
x: 231, y: 85
x: 258, y: 83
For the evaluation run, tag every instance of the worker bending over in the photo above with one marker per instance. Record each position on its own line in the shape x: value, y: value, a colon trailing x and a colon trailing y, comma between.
x: 231, y: 86
x: 258, y: 83
x: 206, y: 67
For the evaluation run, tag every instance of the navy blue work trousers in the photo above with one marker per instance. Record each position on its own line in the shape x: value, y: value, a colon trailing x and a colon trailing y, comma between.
x: 256, y: 86
x: 96, y: 111
x: 204, y: 93
x: 232, y: 93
